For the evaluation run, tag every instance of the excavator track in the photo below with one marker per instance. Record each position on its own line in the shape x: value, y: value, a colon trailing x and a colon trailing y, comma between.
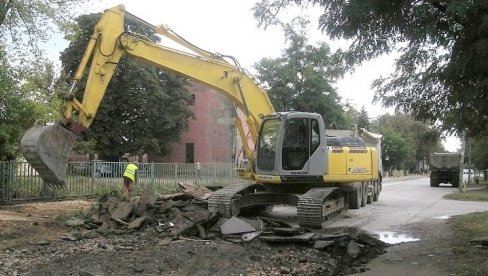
x: 318, y: 206
x: 221, y: 200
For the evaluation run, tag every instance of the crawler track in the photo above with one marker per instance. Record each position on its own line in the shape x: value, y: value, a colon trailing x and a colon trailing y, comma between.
x: 220, y: 200
x: 319, y: 205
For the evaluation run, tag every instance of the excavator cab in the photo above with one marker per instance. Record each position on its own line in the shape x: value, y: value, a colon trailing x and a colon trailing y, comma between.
x: 292, y: 145
x: 47, y: 149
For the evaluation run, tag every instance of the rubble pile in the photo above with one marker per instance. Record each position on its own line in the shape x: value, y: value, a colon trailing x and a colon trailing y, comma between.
x: 171, y: 215
x: 177, y: 235
x: 185, y: 216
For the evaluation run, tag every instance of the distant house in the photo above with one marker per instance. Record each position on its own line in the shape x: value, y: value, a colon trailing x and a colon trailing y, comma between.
x: 212, y: 136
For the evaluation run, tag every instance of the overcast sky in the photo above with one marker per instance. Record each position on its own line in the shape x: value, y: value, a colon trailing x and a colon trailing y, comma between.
x: 228, y: 27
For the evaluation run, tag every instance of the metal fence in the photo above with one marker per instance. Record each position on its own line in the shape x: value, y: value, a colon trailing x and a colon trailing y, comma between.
x: 20, y: 182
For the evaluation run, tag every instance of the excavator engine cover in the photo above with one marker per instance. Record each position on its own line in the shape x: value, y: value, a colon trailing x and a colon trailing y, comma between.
x: 47, y: 149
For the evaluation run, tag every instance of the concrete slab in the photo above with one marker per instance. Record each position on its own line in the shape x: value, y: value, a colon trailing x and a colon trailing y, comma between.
x: 137, y: 223
x: 197, y: 216
x: 123, y: 210
x: 297, y: 238
x: 284, y: 231
x: 236, y: 226
x: 165, y: 206
x: 320, y: 245
x: 148, y: 198
x: 74, y: 222
x: 251, y: 236
x: 195, y: 191
x: 256, y: 223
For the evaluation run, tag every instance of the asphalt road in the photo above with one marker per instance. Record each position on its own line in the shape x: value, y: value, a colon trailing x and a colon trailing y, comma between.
x: 407, y: 201
x: 402, y: 202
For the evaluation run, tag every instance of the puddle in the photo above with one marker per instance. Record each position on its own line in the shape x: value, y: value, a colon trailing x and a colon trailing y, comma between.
x: 394, y: 237
x: 443, y: 217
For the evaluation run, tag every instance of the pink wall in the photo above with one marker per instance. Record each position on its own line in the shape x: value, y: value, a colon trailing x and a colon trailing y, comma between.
x: 212, y: 131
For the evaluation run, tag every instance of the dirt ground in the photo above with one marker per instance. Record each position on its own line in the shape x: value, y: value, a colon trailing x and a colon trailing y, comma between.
x: 34, y: 242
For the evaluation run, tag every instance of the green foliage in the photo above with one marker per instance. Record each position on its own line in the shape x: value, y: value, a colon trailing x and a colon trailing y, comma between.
x: 352, y: 114
x: 144, y: 108
x: 441, y: 74
x: 302, y: 78
x: 402, y: 131
x: 396, y: 150
x: 363, y: 119
x: 66, y: 215
x: 85, y: 147
x: 20, y: 106
x: 479, y: 153
x: 28, y: 24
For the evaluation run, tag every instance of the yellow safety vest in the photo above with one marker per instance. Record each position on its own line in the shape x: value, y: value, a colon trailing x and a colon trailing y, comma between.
x: 130, y: 171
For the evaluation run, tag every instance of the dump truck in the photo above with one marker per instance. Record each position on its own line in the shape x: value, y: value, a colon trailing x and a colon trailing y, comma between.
x: 445, y: 168
x: 292, y: 160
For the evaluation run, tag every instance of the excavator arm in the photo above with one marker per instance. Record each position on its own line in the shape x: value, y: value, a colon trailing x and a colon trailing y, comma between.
x: 47, y: 148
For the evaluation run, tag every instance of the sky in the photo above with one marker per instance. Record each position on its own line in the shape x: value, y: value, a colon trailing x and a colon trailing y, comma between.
x: 228, y: 27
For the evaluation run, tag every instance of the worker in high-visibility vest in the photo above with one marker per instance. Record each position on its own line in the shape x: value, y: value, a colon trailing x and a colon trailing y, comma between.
x: 130, y: 175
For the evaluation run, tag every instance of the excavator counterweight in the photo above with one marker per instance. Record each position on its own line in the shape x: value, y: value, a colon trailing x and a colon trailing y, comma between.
x: 47, y: 149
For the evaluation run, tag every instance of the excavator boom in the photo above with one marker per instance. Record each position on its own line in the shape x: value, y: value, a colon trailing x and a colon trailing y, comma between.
x: 47, y: 148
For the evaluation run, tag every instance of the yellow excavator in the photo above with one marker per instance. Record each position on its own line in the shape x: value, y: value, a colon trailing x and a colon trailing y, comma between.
x: 293, y: 161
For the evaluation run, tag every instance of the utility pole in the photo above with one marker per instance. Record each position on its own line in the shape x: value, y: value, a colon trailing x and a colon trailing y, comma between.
x: 469, y: 161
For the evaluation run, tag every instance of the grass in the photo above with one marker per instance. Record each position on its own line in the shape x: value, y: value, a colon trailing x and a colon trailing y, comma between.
x: 468, y: 259
x: 476, y: 192
x: 480, y: 194
x: 66, y: 215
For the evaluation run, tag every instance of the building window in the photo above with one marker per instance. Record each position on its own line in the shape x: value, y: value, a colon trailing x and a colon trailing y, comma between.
x: 189, y: 153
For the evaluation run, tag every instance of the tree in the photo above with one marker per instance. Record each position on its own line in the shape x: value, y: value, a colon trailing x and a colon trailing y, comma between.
x: 302, y: 78
x: 144, y: 108
x: 20, y: 106
x: 420, y: 138
x: 363, y: 118
x: 26, y: 24
x: 396, y: 150
x: 479, y: 151
x: 441, y: 74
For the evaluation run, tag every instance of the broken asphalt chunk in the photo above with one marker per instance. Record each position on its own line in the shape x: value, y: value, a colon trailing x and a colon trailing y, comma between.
x: 123, y: 210
x: 195, y: 191
x: 74, y: 222
x: 137, y: 223
x: 147, y: 198
x: 297, y: 238
x: 236, y: 225
x: 282, y: 231
x: 256, y: 223
x: 251, y: 236
x: 320, y: 245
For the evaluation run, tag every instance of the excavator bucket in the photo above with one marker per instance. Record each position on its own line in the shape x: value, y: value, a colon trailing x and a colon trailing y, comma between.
x: 47, y: 149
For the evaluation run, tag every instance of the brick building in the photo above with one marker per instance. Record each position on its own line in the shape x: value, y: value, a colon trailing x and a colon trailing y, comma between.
x: 212, y: 136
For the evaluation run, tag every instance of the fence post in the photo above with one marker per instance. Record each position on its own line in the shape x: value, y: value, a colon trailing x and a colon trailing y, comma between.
x: 152, y: 174
x: 176, y: 175
x: 10, y: 180
x: 92, y: 172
